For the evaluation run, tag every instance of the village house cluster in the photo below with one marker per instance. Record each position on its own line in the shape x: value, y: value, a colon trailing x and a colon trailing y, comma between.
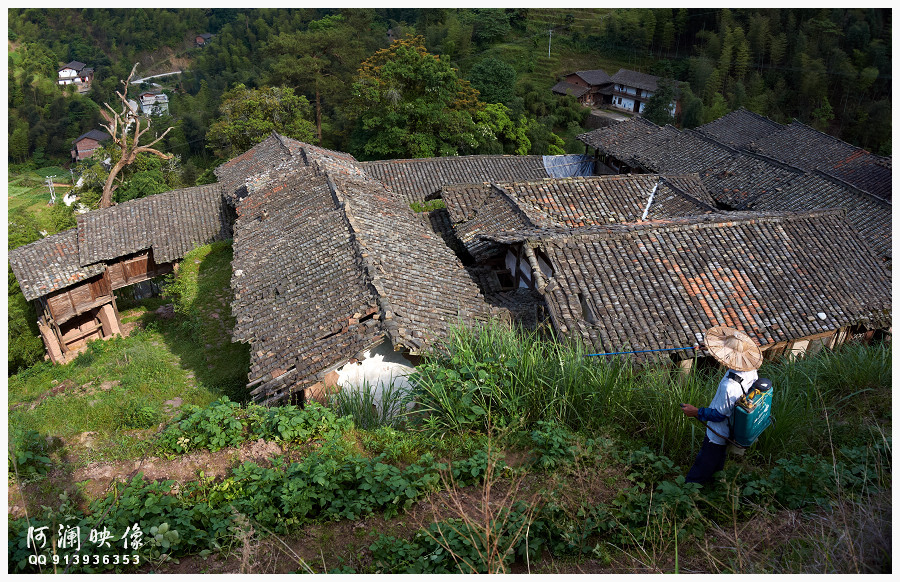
x: 627, y: 90
x: 647, y: 240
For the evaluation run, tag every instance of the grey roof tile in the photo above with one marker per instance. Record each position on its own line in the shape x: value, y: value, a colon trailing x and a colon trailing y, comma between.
x: 414, y: 180
x: 171, y: 223
x: 656, y: 285
x: 50, y: 264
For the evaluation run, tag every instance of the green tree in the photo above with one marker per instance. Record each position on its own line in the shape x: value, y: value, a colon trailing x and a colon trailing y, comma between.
x: 18, y: 144
x: 717, y: 108
x: 316, y: 61
x: 25, y: 347
x: 506, y: 136
x: 248, y: 116
x: 489, y: 24
x: 62, y: 217
x: 494, y: 80
x: 410, y: 103
x: 659, y: 106
x: 691, y: 109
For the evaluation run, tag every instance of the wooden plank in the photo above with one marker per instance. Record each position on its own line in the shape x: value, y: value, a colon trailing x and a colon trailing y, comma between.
x: 81, y: 296
x: 116, y: 275
x: 136, y: 268
x: 100, y: 287
x: 60, y: 306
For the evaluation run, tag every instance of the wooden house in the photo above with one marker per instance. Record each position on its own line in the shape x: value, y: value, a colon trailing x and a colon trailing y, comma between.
x: 794, y: 282
x: 71, y: 276
x: 632, y: 90
x: 202, y: 39
x: 328, y: 264
x: 591, y: 88
x: 87, y: 143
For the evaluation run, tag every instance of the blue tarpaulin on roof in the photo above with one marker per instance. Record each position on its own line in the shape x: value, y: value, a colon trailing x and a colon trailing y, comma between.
x: 569, y: 166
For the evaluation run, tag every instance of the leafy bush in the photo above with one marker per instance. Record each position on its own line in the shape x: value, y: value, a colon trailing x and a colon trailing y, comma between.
x: 226, y: 424
x: 553, y: 443
x: 28, y: 454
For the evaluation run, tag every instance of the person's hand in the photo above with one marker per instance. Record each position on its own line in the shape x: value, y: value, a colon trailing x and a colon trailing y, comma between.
x: 689, y: 410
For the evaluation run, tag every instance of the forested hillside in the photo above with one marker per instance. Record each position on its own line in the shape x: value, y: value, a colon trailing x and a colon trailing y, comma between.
x: 829, y: 67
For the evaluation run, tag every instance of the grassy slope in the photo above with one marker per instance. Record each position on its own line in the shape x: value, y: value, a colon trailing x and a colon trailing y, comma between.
x: 121, y: 384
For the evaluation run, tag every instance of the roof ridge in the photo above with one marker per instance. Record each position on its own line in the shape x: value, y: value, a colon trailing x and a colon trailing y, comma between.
x: 828, y: 136
x: 840, y: 182
x: 363, y: 256
x: 743, y: 109
x: 517, y: 203
x: 626, y: 229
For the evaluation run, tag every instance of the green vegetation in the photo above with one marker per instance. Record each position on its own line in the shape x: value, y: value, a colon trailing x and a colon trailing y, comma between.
x: 122, y: 383
x: 201, y: 296
x: 827, y: 67
x: 251, y: 115
x: 494, y: 379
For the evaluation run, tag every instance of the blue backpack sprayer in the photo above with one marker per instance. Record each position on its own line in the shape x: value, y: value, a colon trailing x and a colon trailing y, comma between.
x: 752, y: 412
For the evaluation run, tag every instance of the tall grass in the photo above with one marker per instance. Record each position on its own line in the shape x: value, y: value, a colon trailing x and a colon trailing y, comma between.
x: 371, y: 407
x: 495, y: 377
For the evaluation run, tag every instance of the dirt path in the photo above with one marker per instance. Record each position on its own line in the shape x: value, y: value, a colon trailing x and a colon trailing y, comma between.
x: 98, y: 477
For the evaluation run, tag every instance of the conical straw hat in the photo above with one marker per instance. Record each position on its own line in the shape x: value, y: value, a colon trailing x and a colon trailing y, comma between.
x: 733, y: 349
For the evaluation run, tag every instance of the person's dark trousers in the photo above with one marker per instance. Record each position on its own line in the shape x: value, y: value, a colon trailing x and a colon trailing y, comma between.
x: 710, y: 459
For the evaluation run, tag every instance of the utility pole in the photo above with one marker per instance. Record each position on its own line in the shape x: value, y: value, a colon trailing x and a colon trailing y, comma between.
x: 549, y: 43
x: 52, y: 193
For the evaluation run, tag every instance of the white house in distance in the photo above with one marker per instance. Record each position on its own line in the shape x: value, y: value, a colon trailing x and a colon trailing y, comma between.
x: 632, y: 90
x: 76, y: 73
x: 154, y: 103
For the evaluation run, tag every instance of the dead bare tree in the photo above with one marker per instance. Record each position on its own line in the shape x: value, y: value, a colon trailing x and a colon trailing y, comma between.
x: 118, y: 125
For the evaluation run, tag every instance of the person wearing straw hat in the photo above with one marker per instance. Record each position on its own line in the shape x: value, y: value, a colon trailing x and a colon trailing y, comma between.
x: 740, y: 354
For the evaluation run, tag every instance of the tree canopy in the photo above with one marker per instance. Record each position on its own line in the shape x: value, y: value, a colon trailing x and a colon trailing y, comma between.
x: 411, y: 103
x: 494, y: 79
x: 248, y: 116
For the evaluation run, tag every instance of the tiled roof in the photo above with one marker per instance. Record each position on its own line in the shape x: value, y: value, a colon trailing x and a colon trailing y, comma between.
x: 328, y: 262
x: 94, y: 134
x: 75, y: 65
x: 628, y: 140
x: 301, y: 297
x: 422, y: 286
x: 869, y: 216
x: 740, y: 178
x: 234, y: 174
x: 737, y: 178
x: 658, y: 285
x: 635, y: 79
x: 865, y: 171
x: 172, y: 223
x: 595, y: 77
x: 740, y: 128
x: 415, y: 179
x: 578, y: 202
x: 564, y: 88
x: 807, y: 148
x: 481, y: 208
x: 568, y: 202
x: 50, y: 264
